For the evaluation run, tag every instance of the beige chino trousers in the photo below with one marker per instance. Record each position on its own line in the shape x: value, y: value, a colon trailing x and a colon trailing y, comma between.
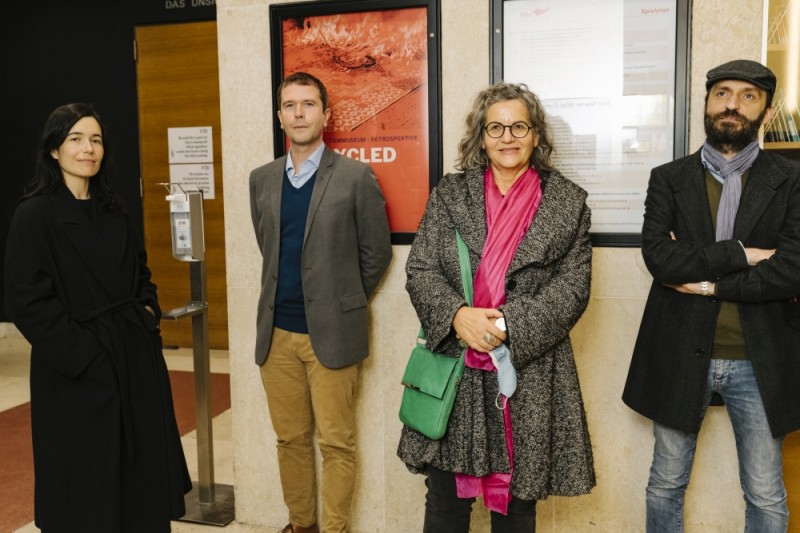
x: 302, y: 393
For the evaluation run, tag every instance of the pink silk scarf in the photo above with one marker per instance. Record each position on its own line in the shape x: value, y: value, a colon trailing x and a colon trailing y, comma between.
x: 507, y: 220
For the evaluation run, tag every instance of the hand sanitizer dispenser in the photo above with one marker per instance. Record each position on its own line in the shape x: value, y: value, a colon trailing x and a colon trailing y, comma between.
x: 208, y: 502
x: 186, y: 223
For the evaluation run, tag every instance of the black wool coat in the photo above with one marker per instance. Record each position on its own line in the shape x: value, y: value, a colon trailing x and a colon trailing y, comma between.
x: 667, y: 377
x: 107, y: 454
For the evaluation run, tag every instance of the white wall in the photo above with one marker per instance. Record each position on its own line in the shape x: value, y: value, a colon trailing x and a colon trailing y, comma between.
x: 388, y: 498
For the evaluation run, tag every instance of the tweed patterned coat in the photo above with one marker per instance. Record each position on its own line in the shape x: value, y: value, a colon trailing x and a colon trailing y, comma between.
x: 547, y: 289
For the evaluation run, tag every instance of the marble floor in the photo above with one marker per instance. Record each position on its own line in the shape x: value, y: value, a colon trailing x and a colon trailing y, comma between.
x: 14, y: 354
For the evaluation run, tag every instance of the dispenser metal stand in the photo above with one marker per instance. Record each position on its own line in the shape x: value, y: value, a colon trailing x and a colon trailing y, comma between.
x: 207, y: 502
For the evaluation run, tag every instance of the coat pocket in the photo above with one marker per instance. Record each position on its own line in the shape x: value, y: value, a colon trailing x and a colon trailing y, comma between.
x: 791, y: 312
x: 353, y: 301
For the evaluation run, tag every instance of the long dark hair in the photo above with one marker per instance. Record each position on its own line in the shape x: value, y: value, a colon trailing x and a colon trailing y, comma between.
x: 47, y: 176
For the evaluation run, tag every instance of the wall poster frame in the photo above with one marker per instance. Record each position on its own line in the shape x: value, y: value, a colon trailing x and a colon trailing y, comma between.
x: 615, y: 88
x: 380, y: 61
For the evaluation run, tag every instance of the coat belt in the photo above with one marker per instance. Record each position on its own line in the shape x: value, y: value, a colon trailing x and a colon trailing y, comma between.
x: 101, y: 323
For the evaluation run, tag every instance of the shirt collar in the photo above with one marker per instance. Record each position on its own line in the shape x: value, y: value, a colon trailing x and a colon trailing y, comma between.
x: 313, y: 160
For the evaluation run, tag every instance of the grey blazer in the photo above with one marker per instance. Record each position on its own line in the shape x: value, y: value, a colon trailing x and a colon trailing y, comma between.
x: 667, y: 377
x: 346, y: 251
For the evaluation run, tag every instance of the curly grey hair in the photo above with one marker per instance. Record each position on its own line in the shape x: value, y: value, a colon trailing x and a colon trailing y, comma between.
x: 470, y: 153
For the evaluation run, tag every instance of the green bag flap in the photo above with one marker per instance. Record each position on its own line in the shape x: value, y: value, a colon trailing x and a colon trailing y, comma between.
x: 429, y: 372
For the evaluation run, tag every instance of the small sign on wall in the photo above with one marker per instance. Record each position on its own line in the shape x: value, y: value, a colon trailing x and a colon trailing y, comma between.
x: 194, y: 178
x: 191, y: 159
x: 162, y: 11
x: 190, y: 145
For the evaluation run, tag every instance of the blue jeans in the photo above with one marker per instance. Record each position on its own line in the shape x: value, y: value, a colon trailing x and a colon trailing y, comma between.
x: 760, y: 457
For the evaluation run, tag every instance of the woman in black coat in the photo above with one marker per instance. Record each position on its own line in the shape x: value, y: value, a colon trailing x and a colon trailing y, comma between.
x: 107, y: 454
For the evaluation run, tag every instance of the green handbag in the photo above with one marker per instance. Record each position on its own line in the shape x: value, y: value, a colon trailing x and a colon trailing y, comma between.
x: 431, y: 379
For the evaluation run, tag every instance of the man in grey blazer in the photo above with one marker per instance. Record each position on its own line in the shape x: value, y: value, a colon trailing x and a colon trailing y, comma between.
x: 721, y: 237
x: 320, y: 222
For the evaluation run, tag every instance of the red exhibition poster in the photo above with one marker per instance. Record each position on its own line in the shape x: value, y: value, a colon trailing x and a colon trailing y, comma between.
x: 375, y: 67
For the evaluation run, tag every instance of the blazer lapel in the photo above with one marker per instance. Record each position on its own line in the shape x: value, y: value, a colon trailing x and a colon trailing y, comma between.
x: 324, y: 174
x: 274, y: 191
x: 691, y: 197
x: 764, y: 178
x: 99, y: 251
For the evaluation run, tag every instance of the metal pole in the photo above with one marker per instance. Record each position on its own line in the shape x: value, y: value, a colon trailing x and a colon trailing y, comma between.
x: 207, y: 502
x: 202, y: 384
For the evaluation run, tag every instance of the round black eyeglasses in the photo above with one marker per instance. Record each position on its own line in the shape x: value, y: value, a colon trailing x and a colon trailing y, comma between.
x: 495, y: 130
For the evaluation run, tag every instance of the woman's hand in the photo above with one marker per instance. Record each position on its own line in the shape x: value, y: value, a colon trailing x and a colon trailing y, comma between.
x: 150, y: 309
x: 476, y: 326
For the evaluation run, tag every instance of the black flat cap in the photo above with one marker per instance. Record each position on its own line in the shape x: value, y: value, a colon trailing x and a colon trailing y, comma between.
x: 744, y: 70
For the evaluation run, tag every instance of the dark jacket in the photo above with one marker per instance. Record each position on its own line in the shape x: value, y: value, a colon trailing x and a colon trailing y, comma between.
x: 547, y: 289
x: 667, y: 376
x: 107, y: 454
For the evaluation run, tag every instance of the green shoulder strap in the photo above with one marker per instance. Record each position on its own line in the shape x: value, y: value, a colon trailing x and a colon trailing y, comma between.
x: 466, y: 274
x: 466, y: 268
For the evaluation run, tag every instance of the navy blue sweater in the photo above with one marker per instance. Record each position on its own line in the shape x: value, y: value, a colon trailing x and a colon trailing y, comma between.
x: 290, y: 312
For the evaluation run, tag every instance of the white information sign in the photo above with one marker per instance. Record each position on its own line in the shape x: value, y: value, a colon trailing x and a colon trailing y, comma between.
x: 191, y: 159
x: 194, y: 178
x: 190, y: 145
x: 605, y: 73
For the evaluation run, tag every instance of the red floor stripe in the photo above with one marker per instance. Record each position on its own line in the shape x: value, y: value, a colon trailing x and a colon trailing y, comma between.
x: 16, y: 472
x: 16, y: 457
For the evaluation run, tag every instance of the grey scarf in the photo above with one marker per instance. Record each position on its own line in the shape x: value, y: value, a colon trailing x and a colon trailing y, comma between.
x: 731, y: 171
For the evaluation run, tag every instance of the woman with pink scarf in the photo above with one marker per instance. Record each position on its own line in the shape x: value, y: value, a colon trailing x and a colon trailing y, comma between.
x: 518, y: 429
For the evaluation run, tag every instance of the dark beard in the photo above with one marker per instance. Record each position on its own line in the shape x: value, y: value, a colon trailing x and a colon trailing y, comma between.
x: 726, y: 137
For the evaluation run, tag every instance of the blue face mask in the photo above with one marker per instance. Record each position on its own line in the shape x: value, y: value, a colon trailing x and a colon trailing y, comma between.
x: 506, y: 373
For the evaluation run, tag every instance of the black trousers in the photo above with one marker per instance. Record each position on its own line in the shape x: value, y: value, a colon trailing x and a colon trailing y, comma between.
x: 445, y: 512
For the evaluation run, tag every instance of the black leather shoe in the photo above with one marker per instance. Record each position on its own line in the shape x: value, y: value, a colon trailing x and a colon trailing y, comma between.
x: 299, y: 529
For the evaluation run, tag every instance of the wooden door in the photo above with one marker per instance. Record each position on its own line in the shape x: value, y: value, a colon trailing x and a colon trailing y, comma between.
x: 178, y: 86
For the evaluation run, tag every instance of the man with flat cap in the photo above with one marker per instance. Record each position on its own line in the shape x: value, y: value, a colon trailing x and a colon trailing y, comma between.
x: 721, y: 238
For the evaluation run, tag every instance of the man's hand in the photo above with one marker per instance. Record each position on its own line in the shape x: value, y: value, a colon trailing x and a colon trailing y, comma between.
x: 692, y: 288
x: 756, y: 255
